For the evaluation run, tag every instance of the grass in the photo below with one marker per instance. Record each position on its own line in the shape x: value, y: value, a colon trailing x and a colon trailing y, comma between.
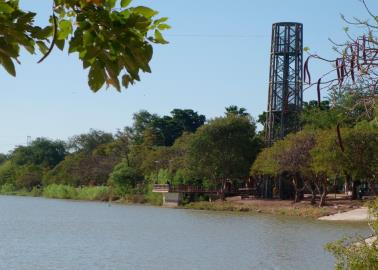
x: 100, y: 193
x: 94, y: 193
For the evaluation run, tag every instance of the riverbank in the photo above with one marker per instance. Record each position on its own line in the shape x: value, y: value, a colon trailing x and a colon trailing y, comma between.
x: 277, y: 207
x: 232, y: 204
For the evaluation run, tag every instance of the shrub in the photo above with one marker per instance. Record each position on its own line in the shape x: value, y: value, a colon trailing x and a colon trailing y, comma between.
x: 60, y: 192
x: 125, y: 180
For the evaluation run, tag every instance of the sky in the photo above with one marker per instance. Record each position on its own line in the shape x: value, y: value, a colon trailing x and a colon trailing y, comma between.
x: 218, y: 56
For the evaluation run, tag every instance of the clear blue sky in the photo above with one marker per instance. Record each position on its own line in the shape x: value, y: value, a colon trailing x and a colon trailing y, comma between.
x: 218, y: 55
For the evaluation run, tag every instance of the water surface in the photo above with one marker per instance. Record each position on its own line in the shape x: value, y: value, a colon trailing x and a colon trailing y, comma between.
x: 37, y: 233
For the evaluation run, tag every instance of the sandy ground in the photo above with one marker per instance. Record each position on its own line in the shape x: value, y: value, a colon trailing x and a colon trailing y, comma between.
x: 360, y: 214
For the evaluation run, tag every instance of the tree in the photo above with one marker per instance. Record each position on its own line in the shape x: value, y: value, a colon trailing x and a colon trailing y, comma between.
x: 85, y: 168
x: 360, y: 156
x: 355, y: 68
x: 7, y: 173
x: 41, y: 151
x: 235, y: 110
x: 125, y: 179
x: 28, y: 176
x: 87, y: 142
x: 110, y: 37
x: 166, y: 128
x: 223, y: 149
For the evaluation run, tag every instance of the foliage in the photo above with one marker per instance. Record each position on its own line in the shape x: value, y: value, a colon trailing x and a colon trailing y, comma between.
x: 41, y: 151
x: 166, y: 129
x: 265, y: 163
x: 57, y: 191
x: 28, y: 176
x: 224, y: 148
x: 125, y: 180
x: 357, y: 255
x: 82, y: 169
x: 98, y: 193
x: 236, y: 111
x: 89, y: 141
x: 3, y: 158
x: 7, y: 173
x: 354, y: 71
x: 110, y: 37
x: 7, y: 188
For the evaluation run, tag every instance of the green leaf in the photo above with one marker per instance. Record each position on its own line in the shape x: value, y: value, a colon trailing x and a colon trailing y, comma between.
x: 159, y: 37
x: 6, y: 8
x: 8, y: 65
x: 145, y: 11
x: 88, y: 38
x: 60, y: 44
x: 161, y: 20
x: 65, y: 29
x: 163, y: 26
x: 96, y: 77
x: 110, y: 3
x: 125, y: 3
x: 306, y: 49
x: 42, y: 47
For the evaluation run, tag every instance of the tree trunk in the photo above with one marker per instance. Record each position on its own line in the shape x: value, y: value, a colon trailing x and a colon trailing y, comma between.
x: 350, y: 182
x: 323, y: 195
x: 371, y: 185
x: 297, y: 196
x: 354, y: 191
x: 313, y: 196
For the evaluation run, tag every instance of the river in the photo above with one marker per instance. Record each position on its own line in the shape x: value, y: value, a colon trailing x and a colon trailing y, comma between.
x: 37, y: 233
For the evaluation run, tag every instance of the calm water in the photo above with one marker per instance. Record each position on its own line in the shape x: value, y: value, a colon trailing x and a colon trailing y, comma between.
x: 42, y: 234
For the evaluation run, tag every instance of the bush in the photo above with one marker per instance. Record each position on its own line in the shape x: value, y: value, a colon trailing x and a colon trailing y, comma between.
x: 100, y: 193
x: 125, y: 180
x: 153, y: 198
x: 28, y: 176
x: 7, y: 189
x: 96, y: 193
x: 59, y: 192
x: 7, y: 173
x: 356, y: 253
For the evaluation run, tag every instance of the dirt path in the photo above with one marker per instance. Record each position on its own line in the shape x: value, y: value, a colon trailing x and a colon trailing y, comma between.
x: 360, y: 214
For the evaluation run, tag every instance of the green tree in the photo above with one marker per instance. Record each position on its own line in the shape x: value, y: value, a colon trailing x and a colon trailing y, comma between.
x: 109, y: 37
x: 125, y: 180
x: 3, y: 158
x: 41, y: 151
x: 235, y: 110
x: 28, y: 176
x: 7, y: 173
x: 168, y: 127
x: 87, y: 142
x: 223, y: 149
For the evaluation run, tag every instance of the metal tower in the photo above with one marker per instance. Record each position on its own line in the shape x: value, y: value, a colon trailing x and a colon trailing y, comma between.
x: 285, y: 80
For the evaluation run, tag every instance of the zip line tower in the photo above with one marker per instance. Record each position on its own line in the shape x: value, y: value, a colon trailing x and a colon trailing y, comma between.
x: 285, y: 80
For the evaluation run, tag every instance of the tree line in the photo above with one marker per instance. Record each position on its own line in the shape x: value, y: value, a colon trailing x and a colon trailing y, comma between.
x: 180, y: 148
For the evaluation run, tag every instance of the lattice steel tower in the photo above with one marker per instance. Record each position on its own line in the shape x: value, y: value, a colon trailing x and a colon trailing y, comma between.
x: 285, y: 80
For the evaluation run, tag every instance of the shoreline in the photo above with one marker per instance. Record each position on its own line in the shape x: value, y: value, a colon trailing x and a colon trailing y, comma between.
x: 255, y: 206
